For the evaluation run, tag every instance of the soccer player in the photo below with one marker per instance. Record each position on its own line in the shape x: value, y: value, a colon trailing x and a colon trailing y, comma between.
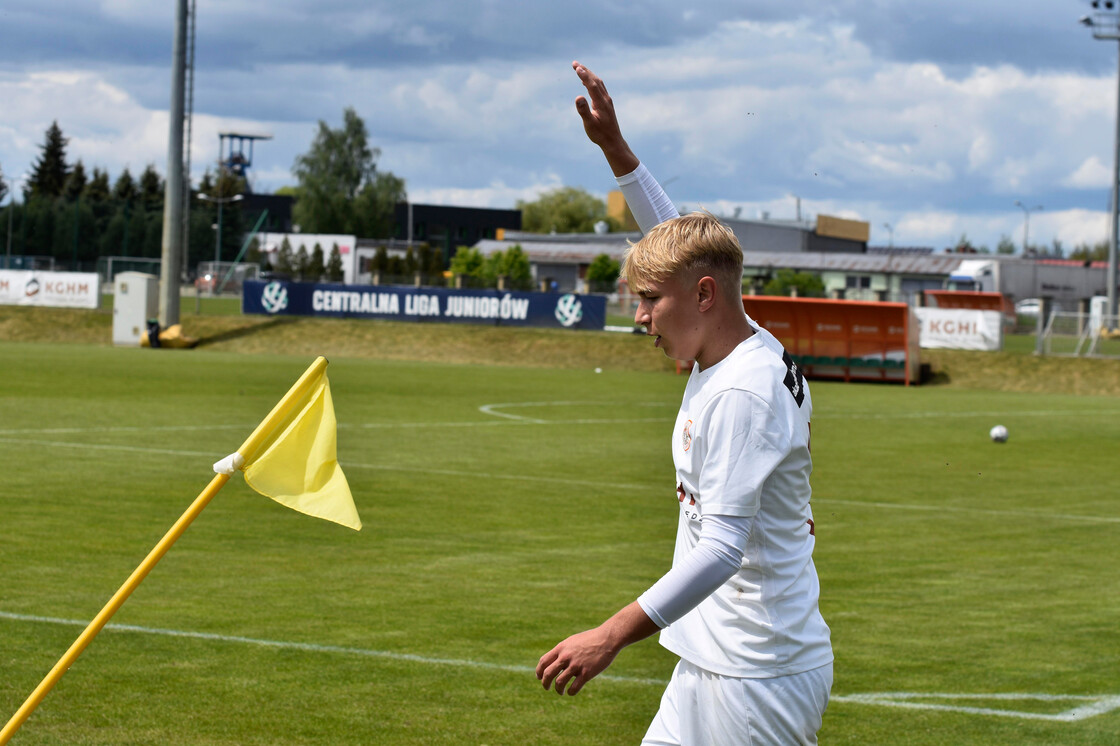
x: 740, y: 604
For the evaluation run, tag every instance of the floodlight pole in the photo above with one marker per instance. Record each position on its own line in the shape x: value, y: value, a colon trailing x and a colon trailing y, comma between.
x: 173, y: 191
x: 1106, y: 25
x: 218, y: 238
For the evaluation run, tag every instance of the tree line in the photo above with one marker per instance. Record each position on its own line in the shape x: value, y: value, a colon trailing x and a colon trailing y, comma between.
x: 76, y: 217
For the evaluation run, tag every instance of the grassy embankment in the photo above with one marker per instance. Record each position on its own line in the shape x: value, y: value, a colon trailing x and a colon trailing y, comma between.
x: 218, y: 325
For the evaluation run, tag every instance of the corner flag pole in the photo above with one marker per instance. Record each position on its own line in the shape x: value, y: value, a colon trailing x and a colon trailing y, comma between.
x: 275, y: 419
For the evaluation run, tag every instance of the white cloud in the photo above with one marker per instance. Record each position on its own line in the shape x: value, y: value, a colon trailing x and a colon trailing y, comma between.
x: 740, y: 117
x: 1091, y: 174
x: 497, y: 194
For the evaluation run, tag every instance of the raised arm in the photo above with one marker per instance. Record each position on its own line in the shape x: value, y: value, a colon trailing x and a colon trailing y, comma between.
x: 648, y: 202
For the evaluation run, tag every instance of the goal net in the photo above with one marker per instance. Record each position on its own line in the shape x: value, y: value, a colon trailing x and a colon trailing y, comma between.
x: 1082, y: 334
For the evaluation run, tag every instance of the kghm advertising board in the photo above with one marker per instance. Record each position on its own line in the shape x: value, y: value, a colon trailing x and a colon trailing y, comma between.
x: 498, y: 307
x: 58, y: 289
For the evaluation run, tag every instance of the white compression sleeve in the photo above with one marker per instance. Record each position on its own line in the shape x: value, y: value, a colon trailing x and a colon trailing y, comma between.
x: 716, y: 557
x: 646, y: 199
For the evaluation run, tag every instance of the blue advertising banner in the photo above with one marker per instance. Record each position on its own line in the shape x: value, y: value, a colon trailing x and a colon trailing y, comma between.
x: 499, y: 307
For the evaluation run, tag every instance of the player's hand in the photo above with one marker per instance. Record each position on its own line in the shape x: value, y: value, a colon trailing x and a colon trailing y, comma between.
x: 600, y: 123
x: 576, y: 660
x: 599, y: 120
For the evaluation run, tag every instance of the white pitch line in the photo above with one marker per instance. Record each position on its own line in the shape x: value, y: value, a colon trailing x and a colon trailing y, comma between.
x: 576, y: 482
x: 488, y: 475
x: 310, y: 647
x: 1008, y: 414
x: 105, y: 447
x: 491, y: 410
x: 346, y: 465
x: 514, y: 419
x: 825, y: 501
x: 248, y: 427
x: 517, y: 421
x: 1094, y: 705
x: 121, y: 429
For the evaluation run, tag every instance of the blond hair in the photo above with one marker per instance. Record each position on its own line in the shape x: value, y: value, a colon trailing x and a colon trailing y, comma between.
x: 694, y: 244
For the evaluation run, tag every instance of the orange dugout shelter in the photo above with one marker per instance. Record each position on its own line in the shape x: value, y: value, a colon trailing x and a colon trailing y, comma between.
x: 850, y: 340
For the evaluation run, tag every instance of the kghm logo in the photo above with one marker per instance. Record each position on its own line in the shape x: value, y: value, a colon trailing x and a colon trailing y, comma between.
x: 569, y: 310
x: 274, y: 297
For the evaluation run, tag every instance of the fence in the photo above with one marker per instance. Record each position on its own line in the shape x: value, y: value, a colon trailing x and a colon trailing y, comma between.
x: 20, y: 261
x: 225, y: 277
x: 108, y: 267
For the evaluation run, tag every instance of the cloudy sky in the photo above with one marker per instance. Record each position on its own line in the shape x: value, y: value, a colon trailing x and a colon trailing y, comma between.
x: 932, y: 116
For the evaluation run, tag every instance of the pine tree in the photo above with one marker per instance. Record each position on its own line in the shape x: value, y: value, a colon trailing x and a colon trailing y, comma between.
x: 48, y: 176
x: 285, y: 258
x: 151, y: 190
x: 301, y: 263
x: 97, y: 189
x: 124, y: 190
x: 75, y: 182
x: 314, y: 265
x: 334, y: 265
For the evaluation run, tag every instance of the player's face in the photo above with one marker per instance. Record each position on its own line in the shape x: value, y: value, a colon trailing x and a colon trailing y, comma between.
x: 668, y: 311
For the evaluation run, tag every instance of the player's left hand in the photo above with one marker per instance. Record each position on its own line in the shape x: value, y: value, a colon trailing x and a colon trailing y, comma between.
x: 576, y: 660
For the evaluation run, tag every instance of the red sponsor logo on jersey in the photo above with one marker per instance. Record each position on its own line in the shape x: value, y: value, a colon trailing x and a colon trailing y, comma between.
x: 686, y: 435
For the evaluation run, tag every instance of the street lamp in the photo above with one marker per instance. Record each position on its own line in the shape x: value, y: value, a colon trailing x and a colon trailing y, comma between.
x: 1105, y: 24
x: 218, y: 237
x: 890, y: 234
x: 1027, y: 221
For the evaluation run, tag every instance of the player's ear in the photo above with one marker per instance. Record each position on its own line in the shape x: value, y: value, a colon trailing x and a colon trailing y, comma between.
x: 706, y: 290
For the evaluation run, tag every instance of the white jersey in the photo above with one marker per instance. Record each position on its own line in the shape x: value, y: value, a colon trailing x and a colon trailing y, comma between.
x: 741, y: 448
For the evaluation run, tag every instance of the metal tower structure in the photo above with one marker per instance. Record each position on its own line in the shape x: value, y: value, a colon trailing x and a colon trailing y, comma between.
x: 235, y: 153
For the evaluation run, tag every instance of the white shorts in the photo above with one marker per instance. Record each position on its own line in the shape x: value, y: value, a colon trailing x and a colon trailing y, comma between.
x: 700, y: 708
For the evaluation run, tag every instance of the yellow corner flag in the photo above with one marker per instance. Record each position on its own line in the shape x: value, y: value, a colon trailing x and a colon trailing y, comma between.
x: 299, y: 466
x: 290, y: 457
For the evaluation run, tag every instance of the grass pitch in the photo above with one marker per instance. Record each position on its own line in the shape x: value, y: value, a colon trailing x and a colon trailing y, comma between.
x: 505, y: 508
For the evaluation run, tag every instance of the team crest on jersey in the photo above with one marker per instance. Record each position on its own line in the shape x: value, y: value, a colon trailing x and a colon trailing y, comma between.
x: 686, y: 435
x: 794, y: 381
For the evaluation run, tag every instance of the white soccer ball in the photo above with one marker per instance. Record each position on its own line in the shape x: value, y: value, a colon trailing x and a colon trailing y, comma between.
x: 998, y: 434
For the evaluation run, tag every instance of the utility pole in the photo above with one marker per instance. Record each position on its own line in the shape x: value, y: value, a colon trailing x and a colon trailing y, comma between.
x: 173, y: 192
x: 1105, y: 23
x: 1027, y: 221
